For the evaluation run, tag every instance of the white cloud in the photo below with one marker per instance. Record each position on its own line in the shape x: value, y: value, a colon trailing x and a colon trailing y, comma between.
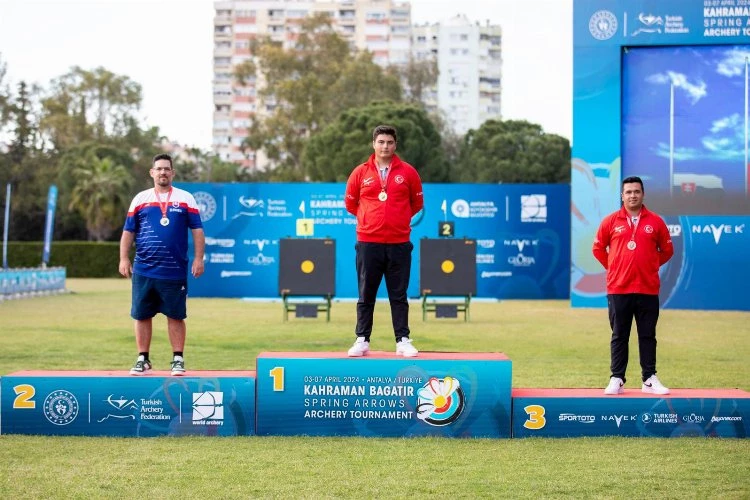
x: 695, y: 91
x: 734, y: 63
x: 726, y: 122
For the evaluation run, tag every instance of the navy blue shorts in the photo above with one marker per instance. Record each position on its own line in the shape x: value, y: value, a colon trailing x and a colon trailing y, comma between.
x: 151, y: 296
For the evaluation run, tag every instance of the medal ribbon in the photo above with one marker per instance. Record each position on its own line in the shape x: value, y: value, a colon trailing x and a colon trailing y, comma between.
x: 635, y: 225
x: 163, y: 205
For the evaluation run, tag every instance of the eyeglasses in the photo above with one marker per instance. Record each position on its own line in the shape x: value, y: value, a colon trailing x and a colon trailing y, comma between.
x: 162, y: 169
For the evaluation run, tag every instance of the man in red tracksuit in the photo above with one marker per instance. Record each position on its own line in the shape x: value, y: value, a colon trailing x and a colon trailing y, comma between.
x: 383, y: 193
x: 632, y: 243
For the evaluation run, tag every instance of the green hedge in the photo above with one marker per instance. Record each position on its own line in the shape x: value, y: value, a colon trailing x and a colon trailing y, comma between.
x: 81, y: 259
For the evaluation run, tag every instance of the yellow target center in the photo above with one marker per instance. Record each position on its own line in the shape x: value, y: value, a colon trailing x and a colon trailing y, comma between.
x: 447, y: 266
x: 307, y: 266
x: 440, y: 401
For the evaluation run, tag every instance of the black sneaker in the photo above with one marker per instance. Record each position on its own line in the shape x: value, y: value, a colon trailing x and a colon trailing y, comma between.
x: 178, y: 367
x: 141, y: 367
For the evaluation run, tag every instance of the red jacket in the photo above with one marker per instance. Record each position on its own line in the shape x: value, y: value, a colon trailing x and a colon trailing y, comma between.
x: 636, y: 270
x: 384, y: 221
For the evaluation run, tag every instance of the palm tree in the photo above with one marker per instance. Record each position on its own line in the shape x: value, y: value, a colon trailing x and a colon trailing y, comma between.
x: 101, y: 196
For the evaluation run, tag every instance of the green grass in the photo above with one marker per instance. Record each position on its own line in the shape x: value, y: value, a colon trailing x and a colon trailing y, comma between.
x: 551, y: 345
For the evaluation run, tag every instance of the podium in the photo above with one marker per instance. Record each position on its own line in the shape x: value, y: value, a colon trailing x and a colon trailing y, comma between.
x: 307, y: 276
x: 447, y: 276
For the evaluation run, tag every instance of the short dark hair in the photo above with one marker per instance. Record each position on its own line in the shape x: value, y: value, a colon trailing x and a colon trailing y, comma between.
x: 162, y: 156
x: 384, y: 130
x: 630, y: 180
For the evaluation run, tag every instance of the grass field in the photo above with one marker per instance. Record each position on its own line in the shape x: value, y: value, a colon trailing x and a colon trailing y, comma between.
x: 551, y: 345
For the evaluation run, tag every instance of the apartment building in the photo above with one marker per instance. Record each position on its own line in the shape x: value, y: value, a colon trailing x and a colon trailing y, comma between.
x: 381, y: 26
x: 469, y: 59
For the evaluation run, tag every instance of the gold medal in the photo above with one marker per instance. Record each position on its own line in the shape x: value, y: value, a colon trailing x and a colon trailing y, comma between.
x: 631, y: 245
x: 383, y: 196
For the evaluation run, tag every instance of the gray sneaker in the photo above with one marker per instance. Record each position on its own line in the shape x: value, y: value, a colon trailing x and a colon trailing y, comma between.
x: 141, y: 366
x: 178, y: 367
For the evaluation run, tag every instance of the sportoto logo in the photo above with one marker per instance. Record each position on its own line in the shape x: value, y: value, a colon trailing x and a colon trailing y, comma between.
x: 208, y: 408
x: 534, y: 208
x: 603, y: 25
x: 460, y: 209
x: 61, y: 407
x: 440, y: 401
x: 206, y: 205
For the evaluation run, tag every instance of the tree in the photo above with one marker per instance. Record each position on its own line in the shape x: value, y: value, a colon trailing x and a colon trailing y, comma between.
x: 418, y: 76
x: 306, y: 87
x: 332, y: 153
x: 89, y: 105
x: 513, y: 151
x: 101, y: 196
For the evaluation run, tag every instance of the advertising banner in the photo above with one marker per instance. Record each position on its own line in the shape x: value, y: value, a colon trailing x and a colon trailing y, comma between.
x: 587, y: 412
x: 103, y: 404
x: 521, y: 230
x: 437, y: 394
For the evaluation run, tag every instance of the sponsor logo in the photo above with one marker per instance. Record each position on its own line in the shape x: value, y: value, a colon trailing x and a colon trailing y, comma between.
x: 674, y: 230
x: 496, y: 274
x: 520, y: 244
x: 153, y: 409
x: 485, y: 258
x: 367, y: 181
x: 460, y: 209
x: 659, y: 418
x: 217, y: 242
x: 717, y: 231
x: 534, y: 208
x: 252, y: 207
x: 649, y: 24
x: 123, y: 406
x: 521, y: 260
x: 571, y: 417
x: 220, y: 258
x: 603, y: 25
x: 261, y: 260
x: 693, y: 418
x: 206, y: 205
x: 726, y: 419
x: 231, y: 274
x: 208, y: 408
x: 618, y: 419
x: 440, y: 401
x: 486, y: 244
x: 653, y: 24
x: 61, y: 407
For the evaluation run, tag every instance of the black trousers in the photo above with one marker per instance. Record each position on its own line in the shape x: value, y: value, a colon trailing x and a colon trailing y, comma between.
x: 374, y: 261
x: 622, y: 309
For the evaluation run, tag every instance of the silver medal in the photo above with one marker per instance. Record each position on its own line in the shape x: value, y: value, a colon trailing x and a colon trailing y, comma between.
x: 631, y: 245
x: 164, y: 221
x: 383, y: 196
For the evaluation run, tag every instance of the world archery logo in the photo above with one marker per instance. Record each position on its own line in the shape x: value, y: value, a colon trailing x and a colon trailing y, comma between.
x: 440, y: 401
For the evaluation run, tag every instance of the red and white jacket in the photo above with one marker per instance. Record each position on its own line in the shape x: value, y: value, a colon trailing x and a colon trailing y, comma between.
x: 384, y: 221
x: 633, y: 270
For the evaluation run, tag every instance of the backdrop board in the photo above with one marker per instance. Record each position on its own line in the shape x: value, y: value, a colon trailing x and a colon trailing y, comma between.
x: 381, y: 394
x: 661, y: 92
x: 521, y: 233
x: 102, y: 403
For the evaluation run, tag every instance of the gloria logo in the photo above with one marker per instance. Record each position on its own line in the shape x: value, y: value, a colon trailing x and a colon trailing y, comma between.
x: 61, y: 407
x: 440, y: 401
x: 206, y: 205
x: 208, y: 408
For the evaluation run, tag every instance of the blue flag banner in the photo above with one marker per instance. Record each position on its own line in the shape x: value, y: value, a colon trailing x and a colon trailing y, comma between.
x: 49, y: 225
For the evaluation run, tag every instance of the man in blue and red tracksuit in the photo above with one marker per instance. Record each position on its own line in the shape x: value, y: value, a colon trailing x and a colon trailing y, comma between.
x: 632, y: 243
x: 383, y: 193
x: 159, y: 220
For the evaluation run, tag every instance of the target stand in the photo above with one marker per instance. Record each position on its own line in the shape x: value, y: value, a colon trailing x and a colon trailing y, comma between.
x: 307, y: 276
x: 447, y: 276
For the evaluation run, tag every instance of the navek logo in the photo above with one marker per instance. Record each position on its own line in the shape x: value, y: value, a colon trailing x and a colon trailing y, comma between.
x: 618, y: 419
x: 718, y: 230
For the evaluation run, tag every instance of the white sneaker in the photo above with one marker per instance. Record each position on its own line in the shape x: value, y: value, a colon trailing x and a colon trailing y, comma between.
x: 653, y: 386
x: 405, y: 349
x: 360, y: 348
x: 616, y: 386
